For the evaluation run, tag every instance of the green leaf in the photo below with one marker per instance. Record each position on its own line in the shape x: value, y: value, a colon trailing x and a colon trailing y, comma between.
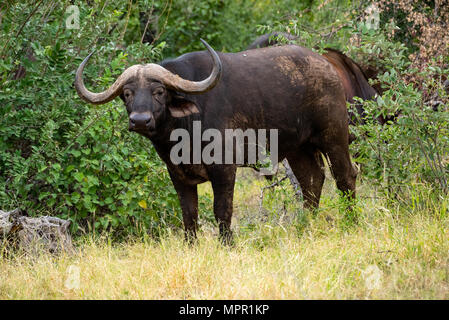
x: 79, y: 176
x: 76, y: 153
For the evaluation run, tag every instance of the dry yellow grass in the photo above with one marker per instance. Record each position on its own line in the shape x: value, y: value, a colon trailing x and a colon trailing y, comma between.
x: 387, y: 255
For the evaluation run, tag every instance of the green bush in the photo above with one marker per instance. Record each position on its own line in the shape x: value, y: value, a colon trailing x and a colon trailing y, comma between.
x: 60, y: 156
x: 228, y: 26
x: 412, y: 148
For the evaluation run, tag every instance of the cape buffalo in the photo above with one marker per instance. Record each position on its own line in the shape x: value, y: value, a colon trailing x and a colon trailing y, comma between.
x: 288, y: 88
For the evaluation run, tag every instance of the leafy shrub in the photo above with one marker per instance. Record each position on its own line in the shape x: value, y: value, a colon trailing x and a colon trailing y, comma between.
x: 414, y: 147
x: 60, y: 156
x: 229, y: 26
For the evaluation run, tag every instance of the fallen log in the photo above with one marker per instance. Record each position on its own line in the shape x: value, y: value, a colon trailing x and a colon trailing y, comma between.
x: 35, y: 234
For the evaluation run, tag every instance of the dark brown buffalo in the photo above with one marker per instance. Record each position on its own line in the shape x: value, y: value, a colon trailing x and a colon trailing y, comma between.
x: 288, y: 88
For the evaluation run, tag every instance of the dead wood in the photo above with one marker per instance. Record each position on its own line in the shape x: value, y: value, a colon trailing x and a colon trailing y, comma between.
x: 34, y: 234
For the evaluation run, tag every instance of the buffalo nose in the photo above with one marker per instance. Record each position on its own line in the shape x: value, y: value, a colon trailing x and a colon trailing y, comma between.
x: 140, y: 120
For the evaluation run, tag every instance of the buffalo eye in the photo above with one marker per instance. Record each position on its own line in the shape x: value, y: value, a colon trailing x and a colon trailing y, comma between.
x: 158, y: 92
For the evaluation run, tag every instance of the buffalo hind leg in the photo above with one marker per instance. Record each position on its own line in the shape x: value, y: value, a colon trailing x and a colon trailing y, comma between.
x: 223, y: 180
x: 342, y: 169
x: 308, y: 168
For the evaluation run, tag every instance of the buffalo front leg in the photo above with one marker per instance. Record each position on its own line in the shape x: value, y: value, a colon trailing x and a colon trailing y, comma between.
x: 188, y: 198
x: 223, y: 180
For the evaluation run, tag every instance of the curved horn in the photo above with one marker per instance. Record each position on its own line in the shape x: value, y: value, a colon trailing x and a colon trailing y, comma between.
x: 151, y: 70
x: 179, y: 84
x: 107, y: 95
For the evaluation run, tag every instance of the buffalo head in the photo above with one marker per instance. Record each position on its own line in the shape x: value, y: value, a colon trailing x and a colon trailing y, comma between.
x: 149, y: 90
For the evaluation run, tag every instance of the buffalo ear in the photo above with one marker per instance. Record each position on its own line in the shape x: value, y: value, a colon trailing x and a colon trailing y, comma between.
x: 179, y: 107
x: 122, y: 96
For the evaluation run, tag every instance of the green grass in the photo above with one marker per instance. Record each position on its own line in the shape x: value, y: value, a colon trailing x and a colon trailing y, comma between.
x: 396, y: 250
